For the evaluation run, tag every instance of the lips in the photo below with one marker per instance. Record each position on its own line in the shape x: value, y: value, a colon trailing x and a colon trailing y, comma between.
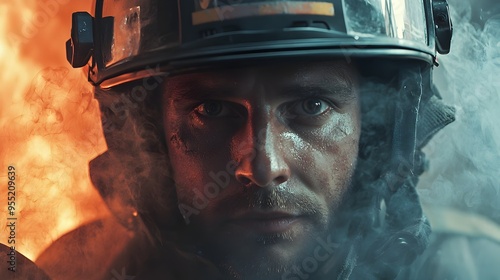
x: 265, y: 221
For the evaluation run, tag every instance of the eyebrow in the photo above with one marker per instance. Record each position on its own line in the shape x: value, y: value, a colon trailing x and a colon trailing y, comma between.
x: 342, y: 93
x: 191, y: 90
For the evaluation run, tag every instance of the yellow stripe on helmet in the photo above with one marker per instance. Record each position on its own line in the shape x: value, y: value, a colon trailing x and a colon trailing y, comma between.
x: 262, y: 9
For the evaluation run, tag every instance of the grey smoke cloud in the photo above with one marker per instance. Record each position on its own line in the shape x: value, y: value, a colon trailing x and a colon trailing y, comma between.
x: 465, y: 156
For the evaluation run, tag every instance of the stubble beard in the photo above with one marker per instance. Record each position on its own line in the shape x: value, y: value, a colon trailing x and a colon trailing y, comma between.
x: 259, y: 266
x: 264, y: 268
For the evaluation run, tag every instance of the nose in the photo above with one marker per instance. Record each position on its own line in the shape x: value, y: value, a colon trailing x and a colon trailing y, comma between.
x: 262, y: 162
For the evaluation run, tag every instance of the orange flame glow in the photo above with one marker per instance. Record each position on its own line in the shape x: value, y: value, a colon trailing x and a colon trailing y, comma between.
x: 49, y: 125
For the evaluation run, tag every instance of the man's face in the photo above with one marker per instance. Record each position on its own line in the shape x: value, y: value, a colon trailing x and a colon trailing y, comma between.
x: 262, y: 157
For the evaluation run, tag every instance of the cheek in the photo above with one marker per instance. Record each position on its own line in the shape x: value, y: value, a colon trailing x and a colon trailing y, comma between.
x: 183, y: 154
x: 344, y: 127
x: 342, y: 155
x: 326, y: 159
x: 196, y: 156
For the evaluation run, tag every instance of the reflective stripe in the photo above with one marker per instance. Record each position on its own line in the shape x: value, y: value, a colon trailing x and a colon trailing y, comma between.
x: 263, y: 9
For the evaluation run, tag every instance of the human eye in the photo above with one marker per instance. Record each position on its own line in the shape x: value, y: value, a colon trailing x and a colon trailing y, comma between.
x: 308, y: 108
x: 215, y: 109
x: 311, y: 107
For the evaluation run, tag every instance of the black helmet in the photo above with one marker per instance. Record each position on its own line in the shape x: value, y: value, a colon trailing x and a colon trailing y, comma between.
x: 126, y: 38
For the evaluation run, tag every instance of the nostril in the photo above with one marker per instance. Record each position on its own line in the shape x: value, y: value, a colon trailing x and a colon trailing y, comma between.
x: 280, y: 179
x: 244, y: 180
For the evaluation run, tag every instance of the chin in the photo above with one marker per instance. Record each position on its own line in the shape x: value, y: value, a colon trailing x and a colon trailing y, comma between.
x: 263, y: 266
x: 263, y: 256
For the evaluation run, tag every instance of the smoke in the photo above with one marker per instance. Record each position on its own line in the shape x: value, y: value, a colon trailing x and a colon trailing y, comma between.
x: 465, y: 157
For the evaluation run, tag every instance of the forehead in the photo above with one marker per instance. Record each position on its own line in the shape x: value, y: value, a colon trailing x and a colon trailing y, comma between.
x: 338, y: 74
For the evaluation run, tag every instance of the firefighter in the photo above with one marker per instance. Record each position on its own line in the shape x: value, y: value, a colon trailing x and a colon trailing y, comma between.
x: 261, y: 139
